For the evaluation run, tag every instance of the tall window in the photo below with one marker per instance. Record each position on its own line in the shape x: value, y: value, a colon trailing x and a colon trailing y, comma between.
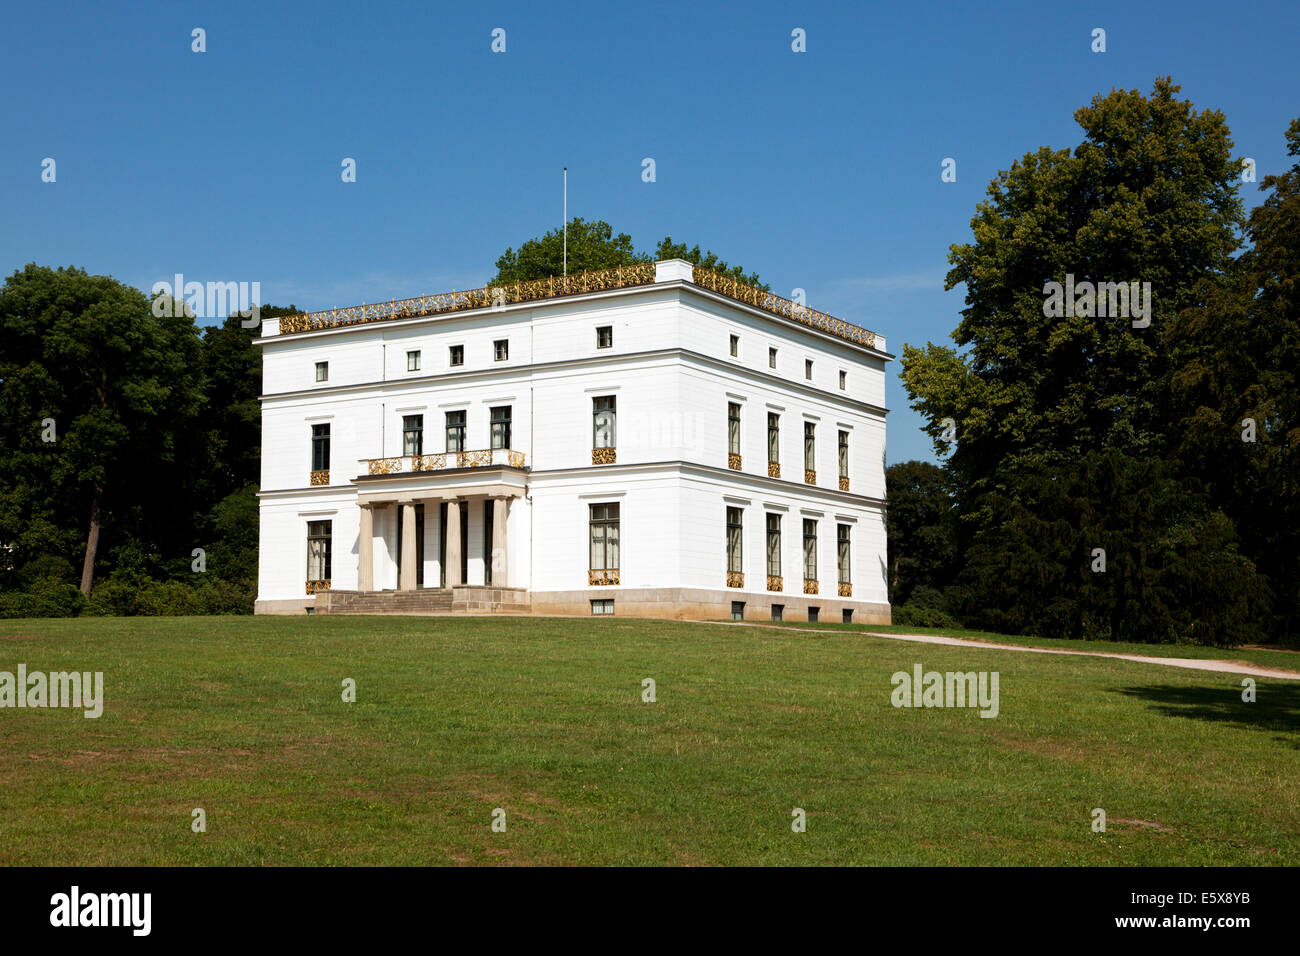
x: 501, y: 426
x: 773, y: 438
x: 807, y: 369
x: 733, y: 428
x: 322, y: 371
x: 735, y: 532
x: 844, y: 379
x: 320, y: 447
x: 319, y: 535
x: 842, y: 550
x: 771, y: 358
x: 773, y: 546
x: 604, y: 537
x: 456, y: 431
x: 735, y: 346
x: 809, y: 549
x: 413, y: 361
x: 809, y: 446
x: 844, y: 454
x: 501, y: 350
x: 604, y: 336
x: 604, y: 413
x: 457, y: 354
x: 412, y: 435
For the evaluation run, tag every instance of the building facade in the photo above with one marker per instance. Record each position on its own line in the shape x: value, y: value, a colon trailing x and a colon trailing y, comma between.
x: 654, y: 441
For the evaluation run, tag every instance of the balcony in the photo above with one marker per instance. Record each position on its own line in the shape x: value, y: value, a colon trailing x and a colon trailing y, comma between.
x: 599, y: 577
x: 735, y: 579
x: 809, y: 476
x: 320, y: 477
x: 733, y: 461
x: 604, y: 456
x: 773, y: 469
x: 315, y: 586
x: 809, y: 586
x: 485, y: 458
x: 774, y: 582
x: 844, y: 482
x: 846, y: 589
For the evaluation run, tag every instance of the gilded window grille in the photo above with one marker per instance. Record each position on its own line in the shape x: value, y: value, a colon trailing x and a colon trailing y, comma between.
x: 320, y: 477
x: 733, y: 462
x: 846, y: 589
x: 602, y: 576
x: 774, y: 582
x: 473, y: 459
x: 774, y: 469
x: 809, y: 586
x: 844, y: 483
x: 809, y: 476
x: 384, y: 466
x: 735, y: 579
x: 603, y: 456
x: 315, y: 586
x: 516, y: 459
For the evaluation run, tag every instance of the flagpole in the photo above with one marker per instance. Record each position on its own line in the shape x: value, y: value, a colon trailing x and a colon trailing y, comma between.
x: 566, y: 222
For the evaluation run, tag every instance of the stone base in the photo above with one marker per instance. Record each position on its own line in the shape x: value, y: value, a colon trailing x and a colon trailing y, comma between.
x: 698, y: 604
x: 288, y: 606
x: 477, y: 598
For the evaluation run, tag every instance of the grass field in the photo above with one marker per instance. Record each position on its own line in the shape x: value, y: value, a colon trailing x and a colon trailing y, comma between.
x: 544, y: 719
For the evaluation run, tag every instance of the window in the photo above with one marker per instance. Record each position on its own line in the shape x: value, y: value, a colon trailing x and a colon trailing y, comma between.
x: 809, y: 549
x: 844, y: 454
x: 500, y: 350
x: 773, y: 547
x: 737, y: 610
x: 735, y: 346
x: 457, y: 355
x: 320, y: 448
x: 733, y: 428
x: 778, y: 612
x: 319, y: 535
x: 810, y: 448
x: 807, y: 369
x: 604, y: 336
x: 844, y: 379
x: 602, y: 606
x: 771, y: 358
x: 322, y: 371
x: 604, y: 537
x: 413, y: 361
x: 604, y: 413
x: 735, y: 533
x: 501, y: 426
x: 813, y: 614
x: 773, y: 440
x: 846, y: 616
x: 456, y: 431
x: 842, y: 550
x: 412, y: 435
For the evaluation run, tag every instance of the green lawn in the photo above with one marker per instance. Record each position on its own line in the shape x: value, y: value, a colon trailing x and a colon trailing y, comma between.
x: 544, y: 718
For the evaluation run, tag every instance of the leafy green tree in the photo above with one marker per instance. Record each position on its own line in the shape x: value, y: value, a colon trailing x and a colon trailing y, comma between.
x: 919, y: 523
x: 592, y: 246
x: 667, y: 249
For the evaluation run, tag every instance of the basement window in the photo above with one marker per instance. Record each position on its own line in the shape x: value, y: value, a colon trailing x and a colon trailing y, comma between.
x: 602, y: 606
x: 813, y: 614
x: 737, y: 610
x: 846, y: 616
x: 778, y: 612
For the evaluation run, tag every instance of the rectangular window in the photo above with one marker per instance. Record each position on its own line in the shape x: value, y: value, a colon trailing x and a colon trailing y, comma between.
x: 846, y: 616
x: 413, y: 361
x: 319, y: 535
x: 809, y: 446
x: 778, y: 612
x: 733, y: 428
x: 771, y: 358
x: 456, y: 431
x: 604, y: 414
x: 501, y: 350
x: 320, y: 448
x: 774, y: 546
x: 322, y: 371
x: 735, y: 533
x: 813, y: 614
x: 602, y: 606
x: 844, y: 379
x: 737, y: 610
x: 604, y: 336
x: 809, y: 549
x: 412, y: 435
x: 773, y: 438
x: 457, y: 355
x: 844, y: 454
x: 842, y: 550
x: 501, y: 426
x: 735, y: 346
x: 604, y: 537
x: 807, y: 369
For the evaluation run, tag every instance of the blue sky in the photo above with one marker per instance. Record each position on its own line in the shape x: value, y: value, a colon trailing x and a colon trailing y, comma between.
x: 819, y: 170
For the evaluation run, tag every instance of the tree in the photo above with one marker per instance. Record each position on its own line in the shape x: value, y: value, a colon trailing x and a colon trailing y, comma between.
x: 667, y: 249
x: 919, y: 523
x: 592, y: 246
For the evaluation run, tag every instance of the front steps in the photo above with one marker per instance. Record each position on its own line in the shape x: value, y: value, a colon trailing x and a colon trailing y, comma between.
x: 467, y: 599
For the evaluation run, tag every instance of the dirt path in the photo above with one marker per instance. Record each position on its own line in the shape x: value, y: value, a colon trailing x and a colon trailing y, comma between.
x: 1189, y: 663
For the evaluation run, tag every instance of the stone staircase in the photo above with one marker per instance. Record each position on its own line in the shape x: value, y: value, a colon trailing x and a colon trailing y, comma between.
x: 423, y: 601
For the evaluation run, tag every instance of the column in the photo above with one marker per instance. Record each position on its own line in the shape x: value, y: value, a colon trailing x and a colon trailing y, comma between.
x: 498, y: 573
x: 407, y: 582
x: 365, y: 551
x: 452, y: 531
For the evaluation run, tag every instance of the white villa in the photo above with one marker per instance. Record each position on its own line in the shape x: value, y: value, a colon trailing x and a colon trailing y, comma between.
x: 651, y: 441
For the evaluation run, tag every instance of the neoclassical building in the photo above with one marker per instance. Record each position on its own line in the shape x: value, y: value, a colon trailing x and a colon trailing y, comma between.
x: 656, y: 441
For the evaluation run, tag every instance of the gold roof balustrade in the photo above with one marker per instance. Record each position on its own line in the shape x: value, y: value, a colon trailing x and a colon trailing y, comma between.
x: 622, y: 277
x: 481, y: 458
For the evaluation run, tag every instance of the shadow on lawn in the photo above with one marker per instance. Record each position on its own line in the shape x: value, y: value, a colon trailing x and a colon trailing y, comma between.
x: 1276, y: 707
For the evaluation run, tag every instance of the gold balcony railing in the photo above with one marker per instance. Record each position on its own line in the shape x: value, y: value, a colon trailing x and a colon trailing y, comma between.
x: 733, y: 462
x: 774, y: 582
x: 809, y: 586
x: 320, y: 477
x: 846, y: 589
x: 598, y: 577
x: 743, y: 292
x: 483, y: 458
x: 314, y: 586
x: 844, y: 483
x: 642, y: 273
x: 773, y: 469
x: 604, y: 456
x: 735, y: 579
x: 809, y: 476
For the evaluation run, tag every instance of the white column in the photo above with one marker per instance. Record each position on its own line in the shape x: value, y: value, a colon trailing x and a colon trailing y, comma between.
x: 407, y: 578
x: 452, y: 531
x: 499, y: 570
x: 365, y: 551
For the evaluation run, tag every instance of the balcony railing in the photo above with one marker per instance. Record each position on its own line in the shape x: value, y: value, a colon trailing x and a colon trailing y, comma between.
x: 483, y: 458
x: 844, y: 482
x: 809, y: 586
x: 315, y: 586
x: 774, y: 582
x: 773, y: 469
x: 320, y: 477
x: 604, y: 456
x: 733, y: 461
x: 598, y: 577
x: 809, y: 476
x: 846, y: 589
x: 735, y: 579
